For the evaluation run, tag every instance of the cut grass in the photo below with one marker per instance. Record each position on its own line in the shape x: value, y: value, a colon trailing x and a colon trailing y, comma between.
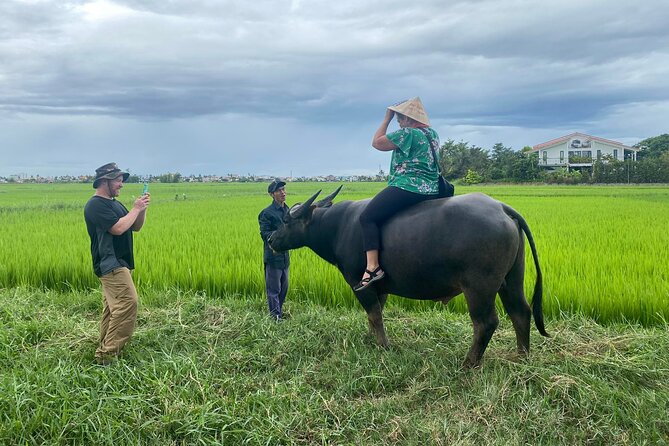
x: 204, y: 370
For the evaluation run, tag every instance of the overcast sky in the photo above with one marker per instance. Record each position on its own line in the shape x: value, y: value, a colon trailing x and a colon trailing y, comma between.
x: 299, y: 87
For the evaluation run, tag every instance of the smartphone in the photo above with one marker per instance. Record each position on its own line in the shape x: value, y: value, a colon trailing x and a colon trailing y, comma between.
x: 146, y: 189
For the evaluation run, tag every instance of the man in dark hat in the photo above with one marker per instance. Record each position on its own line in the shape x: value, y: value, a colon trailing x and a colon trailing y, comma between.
x: 276, y: 264
x: 110, y: 227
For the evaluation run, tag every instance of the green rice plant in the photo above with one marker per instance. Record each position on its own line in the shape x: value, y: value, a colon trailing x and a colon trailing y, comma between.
x: 602, y: 249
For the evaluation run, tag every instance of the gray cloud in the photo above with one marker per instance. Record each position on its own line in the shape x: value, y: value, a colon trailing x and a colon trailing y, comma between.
x: 149, y: 74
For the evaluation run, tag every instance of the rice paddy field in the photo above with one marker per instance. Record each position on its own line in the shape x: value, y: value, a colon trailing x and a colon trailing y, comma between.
x: 603, y: 249
x: 207, y: 366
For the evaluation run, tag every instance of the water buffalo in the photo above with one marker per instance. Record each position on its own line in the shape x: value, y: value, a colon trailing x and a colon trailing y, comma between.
x: 435, y: 250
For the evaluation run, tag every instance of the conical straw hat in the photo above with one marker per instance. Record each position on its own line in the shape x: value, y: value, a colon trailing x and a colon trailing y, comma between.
x: 412, y: 108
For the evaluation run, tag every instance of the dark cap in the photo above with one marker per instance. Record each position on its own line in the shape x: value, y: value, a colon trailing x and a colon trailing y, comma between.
x: 108, y: 172
x: 274, y: 185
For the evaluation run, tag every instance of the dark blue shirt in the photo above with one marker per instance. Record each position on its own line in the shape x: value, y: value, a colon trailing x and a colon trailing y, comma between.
x: 271, y: 219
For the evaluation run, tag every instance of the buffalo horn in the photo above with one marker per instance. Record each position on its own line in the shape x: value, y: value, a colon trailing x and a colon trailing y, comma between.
x: 327, y: 201
x: 298, y: 211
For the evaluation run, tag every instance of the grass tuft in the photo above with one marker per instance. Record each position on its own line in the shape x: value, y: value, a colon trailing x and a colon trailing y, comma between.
x: 204, y: 370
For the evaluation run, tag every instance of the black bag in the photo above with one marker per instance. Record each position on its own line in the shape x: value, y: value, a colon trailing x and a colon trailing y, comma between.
x: 446, y: 189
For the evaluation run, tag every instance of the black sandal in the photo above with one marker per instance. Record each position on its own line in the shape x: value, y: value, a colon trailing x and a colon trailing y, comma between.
x: 375, y: 275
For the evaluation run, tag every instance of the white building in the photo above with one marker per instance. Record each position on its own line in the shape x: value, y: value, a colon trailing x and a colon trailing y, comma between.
x: 580, y: 150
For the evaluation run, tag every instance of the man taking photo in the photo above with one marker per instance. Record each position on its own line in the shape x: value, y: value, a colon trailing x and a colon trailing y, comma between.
x: 110, y: 226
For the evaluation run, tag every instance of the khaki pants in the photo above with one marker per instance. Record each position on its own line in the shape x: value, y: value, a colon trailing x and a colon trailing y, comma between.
x: 119, y: 314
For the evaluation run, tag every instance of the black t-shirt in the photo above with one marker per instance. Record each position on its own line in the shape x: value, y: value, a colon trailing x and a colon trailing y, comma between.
x: 108, y: 251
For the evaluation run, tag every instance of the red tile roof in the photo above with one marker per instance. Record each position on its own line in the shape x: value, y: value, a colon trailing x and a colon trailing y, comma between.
x: 556, y: 141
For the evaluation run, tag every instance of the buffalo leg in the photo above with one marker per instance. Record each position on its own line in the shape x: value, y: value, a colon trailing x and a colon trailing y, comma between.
x: 514, y: 301
x: 375, y: 321
x: 519, y: 311
x: 481, y: 305
x: 382, y: 300
x: 373, y: 306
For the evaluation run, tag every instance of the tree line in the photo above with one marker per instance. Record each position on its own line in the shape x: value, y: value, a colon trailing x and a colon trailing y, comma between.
x: 472, y: 164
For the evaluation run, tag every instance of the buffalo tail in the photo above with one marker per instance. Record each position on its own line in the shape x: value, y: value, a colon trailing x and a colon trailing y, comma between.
x: 537, y: 304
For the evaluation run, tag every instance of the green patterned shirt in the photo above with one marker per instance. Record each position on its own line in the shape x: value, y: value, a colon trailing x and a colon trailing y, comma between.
x: 412, y: 167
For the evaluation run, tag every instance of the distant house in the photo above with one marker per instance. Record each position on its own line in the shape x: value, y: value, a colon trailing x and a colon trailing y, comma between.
x: 578, y: 150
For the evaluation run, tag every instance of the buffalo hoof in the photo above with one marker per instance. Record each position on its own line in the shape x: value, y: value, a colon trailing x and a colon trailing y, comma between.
x: 470, y: 364
x: 383, y: 343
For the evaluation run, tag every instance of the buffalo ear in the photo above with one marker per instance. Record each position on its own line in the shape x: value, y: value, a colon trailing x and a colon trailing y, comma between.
x: 327, y: 201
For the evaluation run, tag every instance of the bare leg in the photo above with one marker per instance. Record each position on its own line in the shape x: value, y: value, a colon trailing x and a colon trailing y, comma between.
x: 372, y: 261
x: 373, y: 271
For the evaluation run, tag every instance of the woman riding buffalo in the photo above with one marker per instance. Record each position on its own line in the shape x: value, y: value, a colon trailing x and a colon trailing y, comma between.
x: 413, y: 177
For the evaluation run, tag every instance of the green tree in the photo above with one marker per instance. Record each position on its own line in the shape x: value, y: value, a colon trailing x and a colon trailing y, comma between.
x: 527, y: 166
x: 510, y: 165
x: 472, y: 177
x: 564, y: 176
x: 649, y: 170
x: 609, y: 170
x: 503, y: 162
x: 653, y: 147
x: 170, y: 177
x: 457, y: 158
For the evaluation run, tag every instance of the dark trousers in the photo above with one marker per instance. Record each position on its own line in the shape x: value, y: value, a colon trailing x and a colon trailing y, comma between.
x: 384, y: 205
x: 276, y: 286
